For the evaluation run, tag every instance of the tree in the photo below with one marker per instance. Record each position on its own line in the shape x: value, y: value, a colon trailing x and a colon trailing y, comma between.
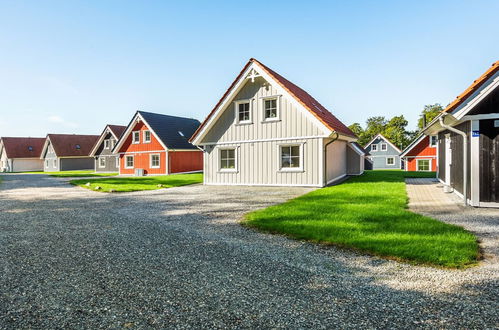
x: 430, y: 111
x: 395, y: 131
x: 357, y: 129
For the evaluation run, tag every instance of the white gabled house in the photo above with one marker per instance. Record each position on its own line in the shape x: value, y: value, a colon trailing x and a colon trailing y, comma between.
x: 267, y: 131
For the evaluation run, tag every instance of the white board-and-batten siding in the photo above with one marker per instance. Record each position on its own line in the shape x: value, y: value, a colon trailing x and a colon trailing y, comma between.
x: 258, y: 143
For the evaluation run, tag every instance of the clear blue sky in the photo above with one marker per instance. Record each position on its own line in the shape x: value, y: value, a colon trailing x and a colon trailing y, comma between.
x: 74, y: 66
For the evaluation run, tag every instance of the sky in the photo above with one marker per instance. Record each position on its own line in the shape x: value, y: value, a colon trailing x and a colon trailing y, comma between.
x: 75, y: 66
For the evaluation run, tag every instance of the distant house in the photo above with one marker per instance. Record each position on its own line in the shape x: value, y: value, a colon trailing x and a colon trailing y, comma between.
x: 421, y: 154
x: 158, y: 144
x: 267, y: 131
x: 468, y: 142
x: 105, y: 160
x: 21, y: 154
x: 383, y: 154
x: 67, y: 152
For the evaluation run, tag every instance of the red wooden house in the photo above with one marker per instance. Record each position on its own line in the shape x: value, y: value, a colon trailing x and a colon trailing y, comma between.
x: 421, y: 154
x: 158, y: 144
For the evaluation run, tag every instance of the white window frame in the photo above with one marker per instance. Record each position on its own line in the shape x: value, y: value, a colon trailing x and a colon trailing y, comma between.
x: 228, y: 170
x: 99, y: 160
x: 417, y: 165
x: 144, y: 136
x: 107, y: 144
x: 126, y: 161
x: 384, y: 147
x: 117, y: 161
x: 250, y: 107
x: 135, y: 134
x: 159, y: 161
x: 277, y: 98
x: 54, y: 163
x: 279, y: 155
x: 387, y: 163
x: 374, y: 147
x: 433, y: 145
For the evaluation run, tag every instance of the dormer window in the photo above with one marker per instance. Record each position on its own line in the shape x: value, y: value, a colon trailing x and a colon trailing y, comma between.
x: 243, y: 112
x: 147, y: 136
x: 374, y: 147
x: 135, y: 137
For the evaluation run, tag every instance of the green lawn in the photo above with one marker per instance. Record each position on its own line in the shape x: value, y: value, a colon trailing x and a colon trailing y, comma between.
x: 74, y: 174
x: 369, y: 213
x: 126, y: 184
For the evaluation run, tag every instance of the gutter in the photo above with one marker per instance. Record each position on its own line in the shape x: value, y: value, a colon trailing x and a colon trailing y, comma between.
x: 325, y: 154
x: 465, y: 154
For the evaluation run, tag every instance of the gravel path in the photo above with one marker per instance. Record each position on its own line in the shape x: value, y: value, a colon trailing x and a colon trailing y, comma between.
x: 177, y: 258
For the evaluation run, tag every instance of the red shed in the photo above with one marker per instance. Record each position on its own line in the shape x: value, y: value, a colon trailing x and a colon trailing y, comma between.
x: 421, y: 154
x: 158, y: 144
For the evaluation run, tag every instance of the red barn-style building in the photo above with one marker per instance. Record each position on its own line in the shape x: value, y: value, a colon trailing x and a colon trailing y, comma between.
x: 155, y: 144
x: 421, y: 154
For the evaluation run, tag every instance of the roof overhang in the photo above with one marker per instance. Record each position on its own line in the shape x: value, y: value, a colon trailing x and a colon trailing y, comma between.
x: 356, y: 149
x: 45, y: 146
x: 101, y: 139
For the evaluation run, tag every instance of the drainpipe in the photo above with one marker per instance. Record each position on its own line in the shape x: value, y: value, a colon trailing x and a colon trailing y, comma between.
x: 465, y: 155
x: 336, y: 136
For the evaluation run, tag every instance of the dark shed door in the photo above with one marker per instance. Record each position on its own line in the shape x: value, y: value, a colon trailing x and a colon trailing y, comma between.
x: 489, y: 161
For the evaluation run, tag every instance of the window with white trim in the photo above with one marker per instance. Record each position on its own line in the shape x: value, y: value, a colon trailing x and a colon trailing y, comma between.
x: 102, y: 162
x: 117, y: 162
x: 384, y: 146
x: 147, y: 136
x: 155, y: 161
x: 374, y: 147
x: 136, y: 137
x: 433, y: 141
x: 270, y: 108
x: 424, y: 165
x: 55, y: 162
x: 106, y: 144
x: 243, y: 111
x: 390, y: 160
x: 228, y: 159
x: 290, y: 157
x: 128, y: 161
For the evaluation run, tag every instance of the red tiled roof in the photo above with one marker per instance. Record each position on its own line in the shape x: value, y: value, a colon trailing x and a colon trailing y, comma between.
x: 319, y: 111
x: 23, y: 147
x: 65, y: 145
x: 473, y: 87
x: 117, y: 130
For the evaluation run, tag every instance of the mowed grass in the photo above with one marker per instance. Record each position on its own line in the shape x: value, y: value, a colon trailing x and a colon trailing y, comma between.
x: 74, y: 174
x: 127, y: 184
x: 369, y: 213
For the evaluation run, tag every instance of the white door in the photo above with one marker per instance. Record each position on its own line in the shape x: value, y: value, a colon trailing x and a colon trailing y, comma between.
x: 448, y: 158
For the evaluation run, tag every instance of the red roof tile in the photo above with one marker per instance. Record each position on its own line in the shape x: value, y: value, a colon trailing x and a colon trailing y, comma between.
x: 23, y: 147
x: 473, y: 87
x: 319, y: 111
x: 65, y: 145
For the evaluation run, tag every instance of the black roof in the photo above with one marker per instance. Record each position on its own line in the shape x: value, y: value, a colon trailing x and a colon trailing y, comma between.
x: 169, y: 129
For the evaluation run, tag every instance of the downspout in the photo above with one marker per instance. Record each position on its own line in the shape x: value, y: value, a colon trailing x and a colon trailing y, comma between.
x: 334, y: 133
x: 465, y: 155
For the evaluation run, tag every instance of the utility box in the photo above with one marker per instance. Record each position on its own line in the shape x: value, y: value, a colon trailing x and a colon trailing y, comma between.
x: 139, y: 172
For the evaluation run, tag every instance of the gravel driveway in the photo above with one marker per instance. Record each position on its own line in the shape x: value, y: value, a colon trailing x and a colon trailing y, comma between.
x: 177, y: 258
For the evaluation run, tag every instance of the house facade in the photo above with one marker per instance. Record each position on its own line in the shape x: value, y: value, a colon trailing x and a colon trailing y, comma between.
x: 21, y: 154
x: 156, y: 144
x: 267, y: 131
x: 68, y: 152
x: 468, y: 142
x: 105, y: 160
x: 421, y: 154
x: 383, y: 154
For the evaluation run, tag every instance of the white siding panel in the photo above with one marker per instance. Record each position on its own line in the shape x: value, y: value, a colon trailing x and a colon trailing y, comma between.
x: 336, y: 160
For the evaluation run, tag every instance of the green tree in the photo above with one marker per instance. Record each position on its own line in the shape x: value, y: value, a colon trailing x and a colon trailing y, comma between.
x: 395, y: 131
x: 357, y: 129
x: 430, y: 111
x: 374, y: 126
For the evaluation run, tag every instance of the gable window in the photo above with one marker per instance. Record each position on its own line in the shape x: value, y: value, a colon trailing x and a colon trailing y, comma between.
x: 243, y: 111
x: 136, y: 137
x: 106, y: 144
x: 433, y: 140
x: 147, y: 136
x: 128, y: 161
x: 390, y: 161
x: 374, y: 147
x: 423, y: 165
x: 228, y: 160
x: 270, y: 108
x: 291, y: 157
x: 383, y: 146
x: 155, y: 162
x: 102, y: 162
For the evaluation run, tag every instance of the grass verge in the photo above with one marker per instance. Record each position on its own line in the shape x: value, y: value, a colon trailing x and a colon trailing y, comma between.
x: 369, y: 213
x: 127, y: 184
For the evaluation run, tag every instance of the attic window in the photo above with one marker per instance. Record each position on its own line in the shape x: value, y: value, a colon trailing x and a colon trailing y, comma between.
x: 78, y: 147
x: 30, y: 148
x: 180, y: 133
